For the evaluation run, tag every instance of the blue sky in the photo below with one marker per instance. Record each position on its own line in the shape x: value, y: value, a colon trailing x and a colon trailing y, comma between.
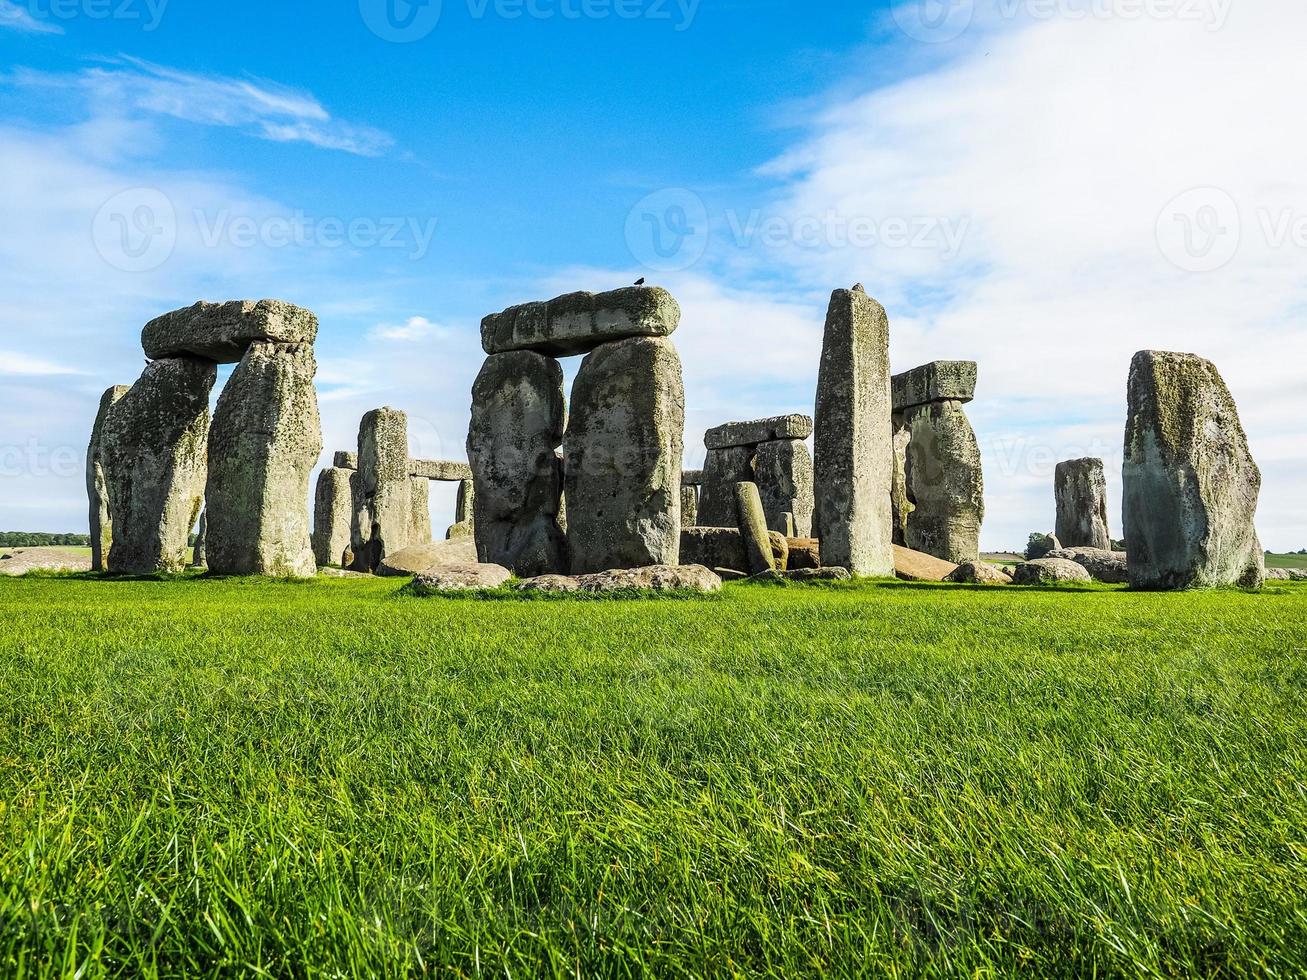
x: 1014, y: 180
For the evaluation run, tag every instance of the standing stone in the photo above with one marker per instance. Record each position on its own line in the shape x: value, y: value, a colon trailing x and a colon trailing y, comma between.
x: 901, y: 504
x: 1191, y: 486
x: 1080, y: 487
x: 722, y: 470
x: 624, y: 447
x: 854, y: 460
x: 517, y: 424
x: 383, y: 491
x: 266, y: 440
x: 332, y: 516
x: 689, y: 506
x: 753, y: 528
x: 783, y: 472
x: 421, y: 532
x: 464, y: 525
x: 945, y: 483
x: 154, y: 448
x: 97, y: 491
x: 200, y: 556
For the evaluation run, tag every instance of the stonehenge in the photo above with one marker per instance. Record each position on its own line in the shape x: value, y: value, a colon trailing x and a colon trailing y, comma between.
x: 769, y: 452
x: 1190, y: 483
x: 854, y: 451
x: 939, y: 493
x: 97, y: 489
x: 1080, y: 488
x: 381, y: 490
x: 333, y: 514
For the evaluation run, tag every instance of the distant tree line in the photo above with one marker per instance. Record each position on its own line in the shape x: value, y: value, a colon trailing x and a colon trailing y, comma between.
x: 40, y: 539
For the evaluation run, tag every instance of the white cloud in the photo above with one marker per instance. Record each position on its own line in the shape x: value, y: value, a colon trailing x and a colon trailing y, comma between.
x: 24, y: 365
x: 414, y: 329
x: 17, y: 18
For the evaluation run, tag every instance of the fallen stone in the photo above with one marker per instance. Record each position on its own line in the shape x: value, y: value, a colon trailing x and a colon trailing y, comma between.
x: 752, y: 434
x: 223, y: 332
x: 548, y: 583
x: 1050, y: 571
x: 440, y: 470
x: 346, y: 461
x: 1040, y: 545
x: 331, y: 572
x: 655, y: 578
x: 579, y: 322
x: 1080, y: 488
x: 624, y: 444
x: 1104, y: 566
x: 154, y: 448
x: 978, y: 573
x: 1190, y: 482
x: 854, y: 460
x: 449, y: 579
x: 333, y: 506
x: 915, y: 566
x: 1278, y: 575
x: 783, y: 472
x: 265, y: 441
x: 803, y: 575
x: 939, y: 381
x: 1298, y: 574
x: 723, y: 547
x: 752, y: 522
x: 382, y: 490
x: 730, y: 574
x: 722, y: 470
x: 97, y: 490
x: 804, y: 553
x: 517, y: 424
x: 434, y: 554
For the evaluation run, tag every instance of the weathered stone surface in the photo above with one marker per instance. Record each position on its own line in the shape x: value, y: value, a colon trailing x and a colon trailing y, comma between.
x: 333, y: 507
x: 978, y: 573
x: 464, y: 525
x: 854, y: 458
x: 1040, y: 545
x: 803, y: 575
x: 901, y: 503
x: 654, y: 578
x: 623, y: 447
x: 1080, y: 487
x: 783, y: 472
x: 97, y: 491
x: 548, y: 584
x: 752, y: 521
x: 154, y: 448
x: 265, y: 442
x: 1104, y: 566
x: 1049, y: 571
x: 420, y: 529
x: 730, y: 574
x: 689, y: 506
x: 916, y: 566
x: 223, y: 332
x: 346, y: 461
x: 421, y: 557
x: 945, y: 483
x: 938, y: 381
x: 722, y: 470
x: 517, y: 424
x: 577, y: 323
x: 199, y: 556
x: 692, y: 478
x: 440, y: 470
x: 723, y: 547
x: 1191, y: 485
x: 804, y: 553
x: 1298, y: 574
x: 382, y: 489
x: 755, y: 433
x: 1278, y: 575
x: 453, y: 579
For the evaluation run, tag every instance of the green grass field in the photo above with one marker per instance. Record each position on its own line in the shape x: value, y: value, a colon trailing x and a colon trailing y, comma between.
x: 336, y: 779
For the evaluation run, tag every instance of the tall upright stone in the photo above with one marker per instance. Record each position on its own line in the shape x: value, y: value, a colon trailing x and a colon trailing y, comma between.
x: 1190, y: 483
x: 752, y: 521
x: 722, y: 470
x: 383, y: 490
x: 332, y: 516
x: 154, y: 449
x: 464, y: 525
x: 624, y: 445
x: 200, y: 553
x: 783, y: 472
x: 97, y: 490
x: 265, y: 442
x: 945, y: 483
x: 854, y: 459
x: 516, y: 427
x: 420, y: 532
x: 689, y: 505
x: 901, y: 504
x: 1080, y: 488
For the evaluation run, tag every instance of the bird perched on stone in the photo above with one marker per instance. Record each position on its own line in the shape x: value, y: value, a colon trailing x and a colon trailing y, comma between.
x: 639, y: 282
x: 859, y: 287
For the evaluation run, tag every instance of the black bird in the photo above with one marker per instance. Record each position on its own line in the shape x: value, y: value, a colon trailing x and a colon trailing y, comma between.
x: 639, y: 282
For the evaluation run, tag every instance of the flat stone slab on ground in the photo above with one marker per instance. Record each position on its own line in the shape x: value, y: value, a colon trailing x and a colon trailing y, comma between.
x: 978, y: 573
x: 548, y: 584
x: 424, y: 557
x: 1111, y: 567
x: 577, y: 323
x: 460, y: 578
x: 914, y: 566
x: 654, y: 578
x: 222, y: 332
x: 1050, y: 571
x: 804, y: 575
x: 938, y: 381
x: 757, y: 432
